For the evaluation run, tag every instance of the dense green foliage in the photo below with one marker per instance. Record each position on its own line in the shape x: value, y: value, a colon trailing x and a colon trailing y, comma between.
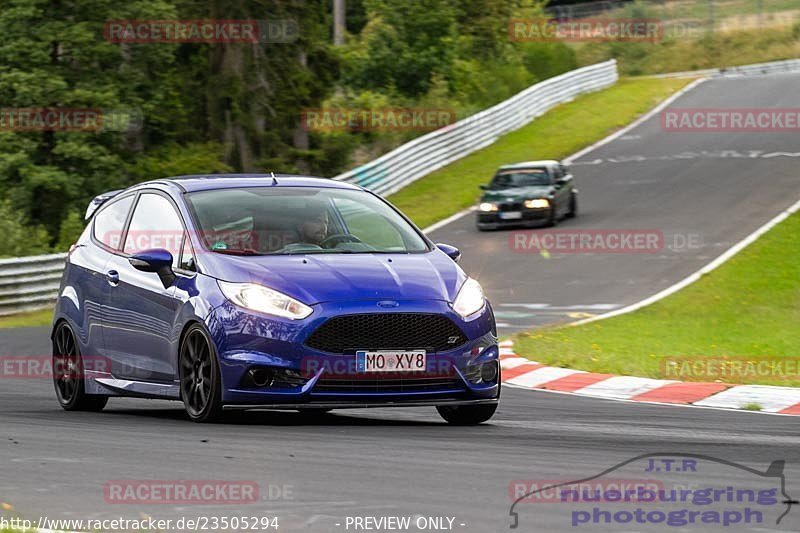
x: 221, y: 107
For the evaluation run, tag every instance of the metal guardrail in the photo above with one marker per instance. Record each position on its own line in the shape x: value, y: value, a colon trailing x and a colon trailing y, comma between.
x: 421, y: 156
x: 29, y: 283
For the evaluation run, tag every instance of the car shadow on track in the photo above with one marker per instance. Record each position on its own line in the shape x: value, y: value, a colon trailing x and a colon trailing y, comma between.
x: 279, y: 418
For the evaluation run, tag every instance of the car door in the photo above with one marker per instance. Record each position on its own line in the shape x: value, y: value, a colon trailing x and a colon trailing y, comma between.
x: 89, y: 277
x: 139, y: 321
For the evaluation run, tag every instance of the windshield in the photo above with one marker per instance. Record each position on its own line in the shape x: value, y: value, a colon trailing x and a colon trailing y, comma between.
x: 507, y: 179
x: 300, y: 220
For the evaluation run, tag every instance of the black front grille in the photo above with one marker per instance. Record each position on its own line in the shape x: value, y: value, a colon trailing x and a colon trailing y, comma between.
x: 388, y: 385
x: 386, y: 331
x: 513, y: 206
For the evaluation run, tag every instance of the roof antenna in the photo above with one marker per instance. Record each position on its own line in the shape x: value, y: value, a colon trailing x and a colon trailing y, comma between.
x: 274, y: 179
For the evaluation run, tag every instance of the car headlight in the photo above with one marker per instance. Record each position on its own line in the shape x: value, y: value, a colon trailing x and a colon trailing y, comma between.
x: 470, y: 298
x: 264, y: 300
x: 487, y: 206
x: 537, y: 203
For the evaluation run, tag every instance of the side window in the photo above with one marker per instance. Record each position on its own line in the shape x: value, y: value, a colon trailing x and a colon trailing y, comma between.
x: 155, y: 224
x: 557, y: 174
x: 110, y: 221
x: 187, y: 255
x: 564, y: 170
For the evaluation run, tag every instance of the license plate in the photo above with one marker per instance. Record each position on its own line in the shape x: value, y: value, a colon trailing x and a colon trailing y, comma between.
x: 390, y: 361
x: 511, y: 215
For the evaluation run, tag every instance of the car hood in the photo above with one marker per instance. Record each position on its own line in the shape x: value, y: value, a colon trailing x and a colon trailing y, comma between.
x: 317, y: 278
x: 518, y: 193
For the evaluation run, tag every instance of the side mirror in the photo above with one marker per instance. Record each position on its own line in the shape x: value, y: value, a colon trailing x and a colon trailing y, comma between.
x: 451, y: 251
x: 156, y: 260
x: 483, y: 187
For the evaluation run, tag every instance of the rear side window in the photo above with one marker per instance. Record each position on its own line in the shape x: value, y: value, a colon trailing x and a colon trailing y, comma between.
x: 110, y: 221
x: 155, y: 224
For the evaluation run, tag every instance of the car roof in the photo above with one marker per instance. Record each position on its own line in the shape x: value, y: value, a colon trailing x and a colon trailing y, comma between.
x: 203, y: 182
x: 529, y: 164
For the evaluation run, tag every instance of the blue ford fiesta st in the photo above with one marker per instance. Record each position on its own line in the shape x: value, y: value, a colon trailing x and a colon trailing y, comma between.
x: 269, y: 292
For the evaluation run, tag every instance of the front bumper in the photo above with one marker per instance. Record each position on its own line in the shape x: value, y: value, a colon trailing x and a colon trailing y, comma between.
x: 357, y: 405
x: 246, y: 340
x: 493, y: 219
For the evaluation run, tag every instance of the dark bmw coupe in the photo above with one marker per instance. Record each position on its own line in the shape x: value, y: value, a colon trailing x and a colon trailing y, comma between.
x: 530, y: 193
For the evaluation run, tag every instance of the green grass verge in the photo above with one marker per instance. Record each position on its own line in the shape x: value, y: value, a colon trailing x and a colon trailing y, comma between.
x: 24, y: 320
x: 745, y: 312
x: 562, y: 131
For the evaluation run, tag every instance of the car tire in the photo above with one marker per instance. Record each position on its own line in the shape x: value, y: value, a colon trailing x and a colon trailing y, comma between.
x: 467, y: 415
x: 573, y: 205
x: 200, y: 380
x: 68, y: 373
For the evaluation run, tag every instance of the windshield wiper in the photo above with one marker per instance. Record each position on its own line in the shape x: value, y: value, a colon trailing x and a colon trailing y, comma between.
x: 312, y: 252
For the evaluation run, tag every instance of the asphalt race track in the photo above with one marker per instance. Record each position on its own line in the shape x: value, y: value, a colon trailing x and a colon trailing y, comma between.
x: 703, y: 191
x: 314, y: 473
x: 388, y: 462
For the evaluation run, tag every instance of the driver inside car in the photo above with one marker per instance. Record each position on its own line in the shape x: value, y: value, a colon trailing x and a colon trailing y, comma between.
x: 312, y: 232
x: 314, y: 227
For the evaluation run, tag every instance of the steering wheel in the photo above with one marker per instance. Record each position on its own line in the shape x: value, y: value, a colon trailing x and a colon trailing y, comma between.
x: 332, y: 240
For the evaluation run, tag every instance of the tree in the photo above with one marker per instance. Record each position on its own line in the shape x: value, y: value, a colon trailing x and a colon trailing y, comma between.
x: 53, y: 55
x: 19, y: 238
